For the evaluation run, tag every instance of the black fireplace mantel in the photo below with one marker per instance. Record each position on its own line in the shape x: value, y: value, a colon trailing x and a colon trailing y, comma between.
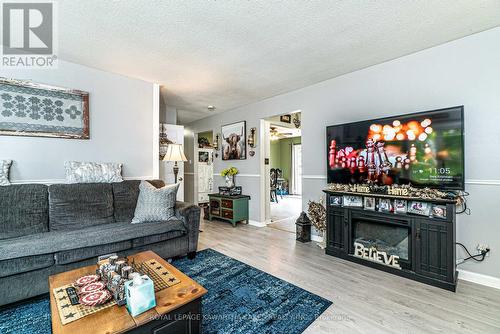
x: 431, y: 241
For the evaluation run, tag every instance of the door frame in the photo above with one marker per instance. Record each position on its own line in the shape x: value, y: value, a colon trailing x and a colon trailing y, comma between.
x: 264, y: 152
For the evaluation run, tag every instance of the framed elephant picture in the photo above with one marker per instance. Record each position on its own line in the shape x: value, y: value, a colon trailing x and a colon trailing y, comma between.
x: 31, y: 109
x: 233, y: 141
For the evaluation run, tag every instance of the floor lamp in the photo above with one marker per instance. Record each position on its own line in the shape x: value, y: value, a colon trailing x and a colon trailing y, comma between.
x: 175, y: 153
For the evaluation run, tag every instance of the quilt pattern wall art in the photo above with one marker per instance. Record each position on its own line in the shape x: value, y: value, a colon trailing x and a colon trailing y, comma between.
x: 29, y: 109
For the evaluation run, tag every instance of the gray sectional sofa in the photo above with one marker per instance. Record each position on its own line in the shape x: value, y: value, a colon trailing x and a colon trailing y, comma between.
x: 50, y: 229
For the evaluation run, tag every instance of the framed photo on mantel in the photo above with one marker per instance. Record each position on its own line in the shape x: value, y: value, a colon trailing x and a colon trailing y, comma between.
x: 31, y: 109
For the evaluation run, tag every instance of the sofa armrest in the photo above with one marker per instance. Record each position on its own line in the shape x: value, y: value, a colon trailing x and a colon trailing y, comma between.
x: 190, y: 216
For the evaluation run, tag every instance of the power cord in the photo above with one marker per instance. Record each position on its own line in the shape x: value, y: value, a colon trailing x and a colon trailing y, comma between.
x: 482, y: 255
x: 462, y: 203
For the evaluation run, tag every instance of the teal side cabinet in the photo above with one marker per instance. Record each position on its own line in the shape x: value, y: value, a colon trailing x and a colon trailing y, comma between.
x: 229, y: 208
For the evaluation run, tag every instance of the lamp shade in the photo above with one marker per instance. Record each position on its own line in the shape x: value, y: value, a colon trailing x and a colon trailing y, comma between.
x: 174, y: 153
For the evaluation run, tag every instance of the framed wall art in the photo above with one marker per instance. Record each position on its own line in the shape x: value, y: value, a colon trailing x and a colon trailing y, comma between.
x: 233, y: 141
x: 31, y: 109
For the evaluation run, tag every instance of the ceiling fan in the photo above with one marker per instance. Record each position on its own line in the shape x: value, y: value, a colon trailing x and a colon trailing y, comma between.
x: 275, y: 134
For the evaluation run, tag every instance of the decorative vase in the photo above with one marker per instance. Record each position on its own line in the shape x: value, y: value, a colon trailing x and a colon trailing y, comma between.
x: 322, y: 242
x: 230, y: 181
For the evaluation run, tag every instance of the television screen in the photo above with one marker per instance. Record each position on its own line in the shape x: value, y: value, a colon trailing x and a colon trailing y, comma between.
x: 422, y: 149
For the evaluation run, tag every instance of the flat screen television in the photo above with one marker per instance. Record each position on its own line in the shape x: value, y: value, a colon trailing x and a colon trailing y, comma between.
x: 424, y: 149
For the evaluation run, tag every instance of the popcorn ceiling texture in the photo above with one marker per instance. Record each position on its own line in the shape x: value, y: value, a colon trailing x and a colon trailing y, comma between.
x: 231, y: 53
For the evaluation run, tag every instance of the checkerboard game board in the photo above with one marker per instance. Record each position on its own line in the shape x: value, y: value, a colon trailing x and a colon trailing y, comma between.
x: 68, y: 312
x: 161, y: 277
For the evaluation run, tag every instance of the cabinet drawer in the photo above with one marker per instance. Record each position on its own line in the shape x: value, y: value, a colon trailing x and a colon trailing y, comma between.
x: 227, y: 214
x: 227, y: 203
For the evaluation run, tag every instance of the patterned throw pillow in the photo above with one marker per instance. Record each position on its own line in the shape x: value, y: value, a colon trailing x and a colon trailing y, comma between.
x: 4, y: 172
x: 155, y: 204
x: 93, y: 172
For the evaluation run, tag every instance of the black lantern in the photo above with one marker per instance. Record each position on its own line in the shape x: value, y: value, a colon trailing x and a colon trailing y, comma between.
x: 303, y: 225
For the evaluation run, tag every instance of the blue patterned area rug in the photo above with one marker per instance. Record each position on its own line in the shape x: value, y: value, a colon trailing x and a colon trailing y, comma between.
x: 240, y: 299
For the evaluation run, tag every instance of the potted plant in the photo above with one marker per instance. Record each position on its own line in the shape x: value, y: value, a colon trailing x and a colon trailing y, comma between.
x: 229, y: 174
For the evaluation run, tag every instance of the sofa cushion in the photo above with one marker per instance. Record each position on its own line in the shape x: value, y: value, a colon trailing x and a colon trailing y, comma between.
x: 23, y: 210
x: 23, y: 264
x: 125, y: 196
x: 58, y: 241
x: 76, y: 206
x: 74, y: 255
x: 152, y: 239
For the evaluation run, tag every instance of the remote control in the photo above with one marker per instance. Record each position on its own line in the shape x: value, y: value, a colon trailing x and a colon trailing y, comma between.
x: 73, y: 296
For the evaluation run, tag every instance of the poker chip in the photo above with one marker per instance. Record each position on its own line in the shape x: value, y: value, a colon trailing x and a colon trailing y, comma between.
x: 92, y: 287
x: 95, y: 298
x: 84, y: 280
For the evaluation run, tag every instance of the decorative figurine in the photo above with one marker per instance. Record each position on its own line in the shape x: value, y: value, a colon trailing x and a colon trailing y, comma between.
x: 332, y: 154
x: 370, y: 160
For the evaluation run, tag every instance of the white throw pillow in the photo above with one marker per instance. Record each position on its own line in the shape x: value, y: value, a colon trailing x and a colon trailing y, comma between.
x: 93, y: 172
x: 4, y: 172
x: 155, y: 204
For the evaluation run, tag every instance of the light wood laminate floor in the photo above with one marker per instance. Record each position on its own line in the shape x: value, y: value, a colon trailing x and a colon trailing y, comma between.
x: 365, y: 300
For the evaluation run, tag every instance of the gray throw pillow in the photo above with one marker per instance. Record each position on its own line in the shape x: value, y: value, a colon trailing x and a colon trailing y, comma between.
x: 155, y: 204
x: 4, y: 172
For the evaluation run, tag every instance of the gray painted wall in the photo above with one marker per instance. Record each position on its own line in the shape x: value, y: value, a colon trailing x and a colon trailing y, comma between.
x: 466, y: 71
x: 121, y: 126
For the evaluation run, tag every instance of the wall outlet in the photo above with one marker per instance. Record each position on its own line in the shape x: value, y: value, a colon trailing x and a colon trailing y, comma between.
x: 483, y: 248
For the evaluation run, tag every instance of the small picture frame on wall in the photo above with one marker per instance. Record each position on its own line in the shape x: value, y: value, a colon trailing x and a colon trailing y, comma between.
x: 385, y: 205
x: 353, y: 201
x: 370, y: 203
x: 400, y: 206
x: 336, y: 200
x: 419, y: 208
x: 286, y: 119
x: 439, y: 211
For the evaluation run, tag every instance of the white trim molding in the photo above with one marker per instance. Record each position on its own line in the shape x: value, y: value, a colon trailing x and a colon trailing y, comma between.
x: 315, y: 177
x: 240, y: 175
x: 156, y: 130
x: 59, y: 181
x: 256, y: 223
x: 469, y: 181
x: 469, y: 276
x: 483, y: 182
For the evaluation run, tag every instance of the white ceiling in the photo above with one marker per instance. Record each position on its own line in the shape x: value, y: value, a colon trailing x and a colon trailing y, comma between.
x: 231, y: 53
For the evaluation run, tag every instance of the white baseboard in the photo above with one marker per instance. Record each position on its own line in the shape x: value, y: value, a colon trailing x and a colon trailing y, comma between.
x: 486, y: 280
x: 256, y: 223
x: 316, y: 238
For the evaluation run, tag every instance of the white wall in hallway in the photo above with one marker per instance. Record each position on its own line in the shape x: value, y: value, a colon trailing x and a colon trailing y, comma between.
x: 121, y: 126
x: 463, y: 72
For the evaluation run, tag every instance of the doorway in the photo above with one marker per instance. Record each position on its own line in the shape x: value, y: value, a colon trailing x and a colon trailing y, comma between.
x: 285, y: 171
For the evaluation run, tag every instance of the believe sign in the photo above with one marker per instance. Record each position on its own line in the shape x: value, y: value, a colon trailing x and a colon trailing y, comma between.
x: 372, y: 254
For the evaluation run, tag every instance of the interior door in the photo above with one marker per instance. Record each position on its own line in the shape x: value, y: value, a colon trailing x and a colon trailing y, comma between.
x: 176, y: 134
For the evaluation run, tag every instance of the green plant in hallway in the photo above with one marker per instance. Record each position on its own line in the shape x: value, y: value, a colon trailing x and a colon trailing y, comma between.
x: 229, y: 174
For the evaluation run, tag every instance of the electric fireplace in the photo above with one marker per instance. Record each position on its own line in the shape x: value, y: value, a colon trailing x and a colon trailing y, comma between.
x: 385, y: 242
x: 418, y: 247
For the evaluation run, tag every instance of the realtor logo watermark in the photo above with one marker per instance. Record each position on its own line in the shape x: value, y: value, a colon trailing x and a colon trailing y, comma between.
x: 29, y: 34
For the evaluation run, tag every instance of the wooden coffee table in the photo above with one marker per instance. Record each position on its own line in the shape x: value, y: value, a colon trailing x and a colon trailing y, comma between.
x: 178, y: 308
